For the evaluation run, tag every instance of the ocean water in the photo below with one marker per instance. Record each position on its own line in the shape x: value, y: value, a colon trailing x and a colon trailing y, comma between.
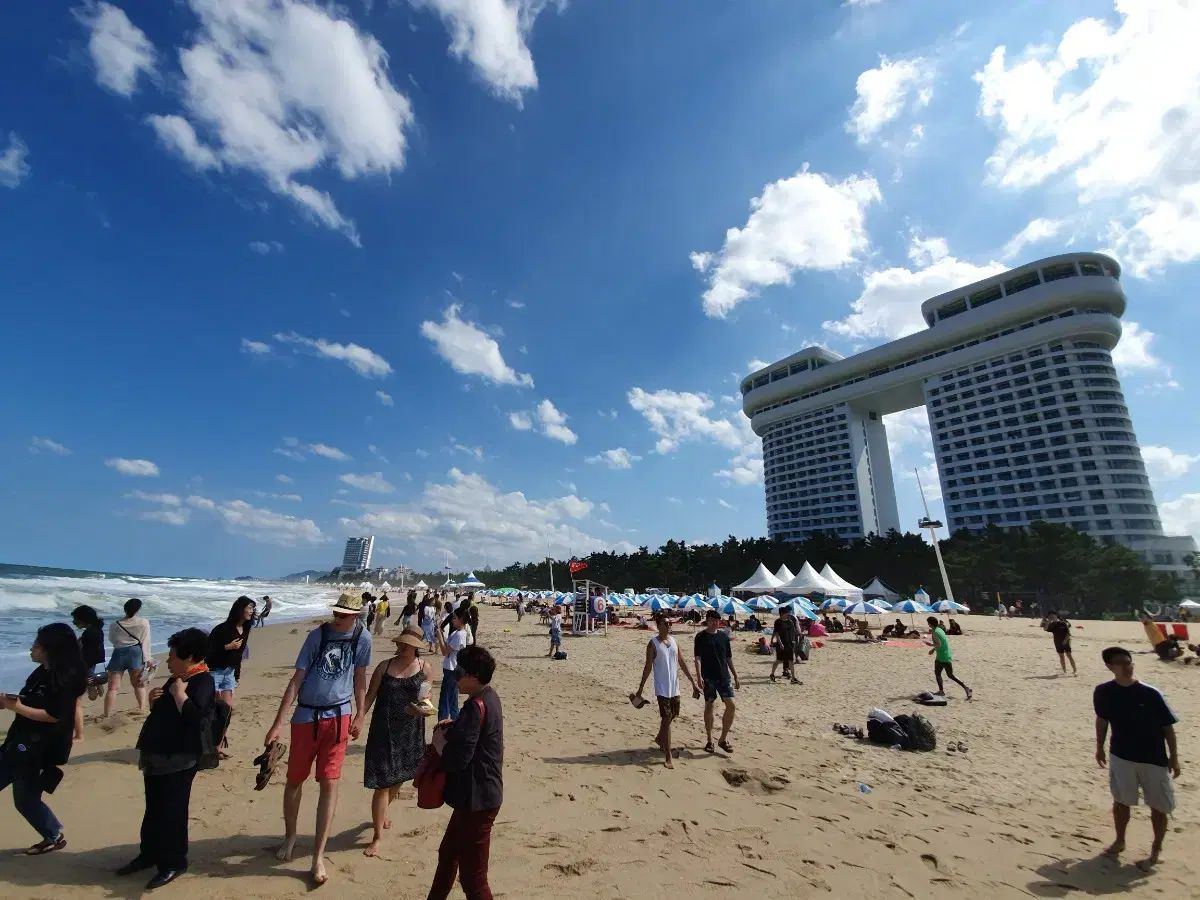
x: 31, y: 597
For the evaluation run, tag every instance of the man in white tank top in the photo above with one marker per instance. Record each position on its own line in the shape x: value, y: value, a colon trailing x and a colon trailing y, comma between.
x: 662, y: 658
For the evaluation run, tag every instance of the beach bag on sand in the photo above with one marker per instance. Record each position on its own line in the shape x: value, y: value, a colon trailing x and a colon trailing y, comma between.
x: 887, y: 733
x: 921, y: 733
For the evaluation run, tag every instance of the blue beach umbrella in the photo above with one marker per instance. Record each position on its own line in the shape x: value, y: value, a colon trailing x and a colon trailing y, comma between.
x: 910, y: 606
x: 658, y: 602
x: 800, y: 611
x: 835, y: 603
x: 762, y: 604
x: 949, y: 606
x: 693, y: 602
x: 865, y: 608
x: 731, y: 607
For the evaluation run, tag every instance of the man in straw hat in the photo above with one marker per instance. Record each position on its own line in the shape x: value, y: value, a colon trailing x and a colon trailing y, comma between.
x: 331, y: 668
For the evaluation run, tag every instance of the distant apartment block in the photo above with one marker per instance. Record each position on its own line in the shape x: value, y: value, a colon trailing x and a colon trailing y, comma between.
x: 358, y: 554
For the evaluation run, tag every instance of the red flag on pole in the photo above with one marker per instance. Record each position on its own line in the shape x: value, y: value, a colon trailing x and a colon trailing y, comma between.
x: 576, y: 566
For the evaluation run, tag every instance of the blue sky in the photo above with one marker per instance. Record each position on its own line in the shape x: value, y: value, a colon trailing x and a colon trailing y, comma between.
x: 480, y: 276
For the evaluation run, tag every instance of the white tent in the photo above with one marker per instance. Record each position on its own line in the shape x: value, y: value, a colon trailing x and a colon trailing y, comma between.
x: 472, y: 582
x: 878, y: 589
x: 834, y: 578
x: 420, y: 586
x: 1189, y: 604
x: 808, y: 581
x: 761, y: 580
x: 784, y: 574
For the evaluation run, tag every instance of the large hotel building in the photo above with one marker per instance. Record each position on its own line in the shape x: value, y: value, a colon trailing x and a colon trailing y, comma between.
x: 1025, y: 408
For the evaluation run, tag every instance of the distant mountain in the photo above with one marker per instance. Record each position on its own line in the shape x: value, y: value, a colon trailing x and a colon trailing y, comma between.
x: 314, y: 574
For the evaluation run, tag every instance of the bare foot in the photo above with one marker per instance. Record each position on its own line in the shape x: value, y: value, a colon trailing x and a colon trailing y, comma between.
x: 1115, y: 849
x: 668, y: 763
x: 318, y: 874
x: 286, y: 849
x: 372, y: 848
x: 1150, y: 861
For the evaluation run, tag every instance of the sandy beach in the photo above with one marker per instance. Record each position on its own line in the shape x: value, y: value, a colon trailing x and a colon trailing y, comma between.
x: 591, y: 812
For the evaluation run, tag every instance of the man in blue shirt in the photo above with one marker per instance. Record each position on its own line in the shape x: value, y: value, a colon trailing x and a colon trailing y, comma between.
x: 331, y: 668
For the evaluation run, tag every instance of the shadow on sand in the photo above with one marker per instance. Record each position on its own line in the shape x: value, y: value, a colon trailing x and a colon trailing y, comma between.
x: 1098, y: 875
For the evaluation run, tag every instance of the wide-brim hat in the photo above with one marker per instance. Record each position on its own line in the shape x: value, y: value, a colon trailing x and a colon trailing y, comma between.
x: 411, y: 637
x: 348, y: 605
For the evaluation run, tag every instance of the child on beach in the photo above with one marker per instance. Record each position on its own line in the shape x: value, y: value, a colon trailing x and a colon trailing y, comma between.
x: 555, y: 631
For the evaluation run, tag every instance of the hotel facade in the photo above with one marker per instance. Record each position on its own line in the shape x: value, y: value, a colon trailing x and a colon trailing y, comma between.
x: 1026, y: 413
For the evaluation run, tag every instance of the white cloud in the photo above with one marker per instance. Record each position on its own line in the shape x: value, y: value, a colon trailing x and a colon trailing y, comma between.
x: 263, y: 525
x: 679, y: 416
x: 328, y: 452
x: 120, y: 50
x: 290, y: 454
x: 284, y: 89
x: 675, y: 500
x: 930, y: 482
x: 1133, y: 353
x: 284, y: 479
x: 1164, y: 464
x: 167, y: 516
x: 889, y: 306
x: 13, y: 167
x: 493, y: 36
x: 365, y: 362
x: 616, y: 458
x: 755, y: 364
x: 470, y: 350
x: 38, y: 444
x: 521, y: 421
x: 476, y: 452
x: 266, y: 495
x: 908, y: 428
x: 885, y: 92
x: 1181, y: 516
x: 725, y: 504
x: 468, y: 511
x: 421, y: 453
x: 262, y: 248
x: 249, y: 346
x: 373, y: 482
x: 294, y: 450
x: 1037, y: 231
x: 164, y: 499
x: 1116, y: 114
x: 554, y: 424
x: 516, y: 304
x: 137, y: 467
x: 385, y: 399
x: 806, y: 221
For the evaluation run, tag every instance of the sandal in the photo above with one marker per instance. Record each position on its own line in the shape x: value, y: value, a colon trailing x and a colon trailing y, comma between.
x: 267, y: 762
x: 726, y: 746
x: 709, y: 748
x: 47, y: 846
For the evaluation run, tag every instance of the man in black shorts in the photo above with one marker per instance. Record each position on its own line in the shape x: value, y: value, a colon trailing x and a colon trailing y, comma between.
x: 714, y: 664
x: 785, y: 638
x: 1061, y: 629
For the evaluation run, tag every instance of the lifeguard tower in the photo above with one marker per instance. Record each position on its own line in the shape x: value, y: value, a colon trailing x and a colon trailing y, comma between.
x: 590, y: 612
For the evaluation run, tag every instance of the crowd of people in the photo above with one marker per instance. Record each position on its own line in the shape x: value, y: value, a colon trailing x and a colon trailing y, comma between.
x: 325, y: 705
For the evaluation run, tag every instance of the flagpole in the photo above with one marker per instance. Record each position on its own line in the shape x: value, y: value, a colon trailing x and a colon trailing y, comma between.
x: 932, y: 526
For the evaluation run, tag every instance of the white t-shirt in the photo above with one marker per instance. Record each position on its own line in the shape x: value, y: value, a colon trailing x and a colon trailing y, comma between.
x: 456, y: 641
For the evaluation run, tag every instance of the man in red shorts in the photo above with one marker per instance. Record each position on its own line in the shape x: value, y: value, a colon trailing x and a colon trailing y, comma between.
x: 330, y: 670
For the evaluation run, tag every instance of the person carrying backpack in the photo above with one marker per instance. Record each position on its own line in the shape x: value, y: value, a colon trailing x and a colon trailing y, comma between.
x: 331, y: 671
x: 173, y: 741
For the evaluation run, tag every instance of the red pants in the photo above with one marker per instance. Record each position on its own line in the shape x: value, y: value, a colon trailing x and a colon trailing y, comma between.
x: 464, y: 853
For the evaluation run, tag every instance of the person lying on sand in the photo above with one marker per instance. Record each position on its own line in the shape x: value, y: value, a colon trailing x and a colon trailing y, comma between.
x: 954, y: 628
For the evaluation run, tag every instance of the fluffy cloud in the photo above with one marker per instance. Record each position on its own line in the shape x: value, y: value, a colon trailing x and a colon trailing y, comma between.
x: 493, y: 36
x: 137, y: 467
x: 293, y: 449
x: 521, y: 421
x: 266, y: 495
x: 1116, y: 114
x: 263, y: 525
x: 468, y: 511
x: 374, y: 482
x: 885, y: 92
x: 164, y: 499
x: 328, y: 452
x: 294, y: 455
x: 167, y: 516
x: 1164, y: 464
x: 1037, y: 231
x: 679, y: 416
x: 365, y: 362
x: 249, y: 346
x: 616, y: 458
x: 1181, y: 516
x: 1133, y: 353
x: 476, y: 452
x: 13, y: 167
x: 376, y: 452
x: 726, y: 504
x: 385, y: 399
x: 262, y: 248
x: 470, y: 350
x: 283, y: 89
x: 43, y: 444
x: 806, y: 221
x: 889, y: 306
x: 284, y: 479
x: 120, y: 50
x: 909, y: 428
x: 549, y: 421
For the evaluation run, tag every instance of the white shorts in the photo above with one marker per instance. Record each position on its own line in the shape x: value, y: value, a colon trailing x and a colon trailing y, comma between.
x: 1125, y: 778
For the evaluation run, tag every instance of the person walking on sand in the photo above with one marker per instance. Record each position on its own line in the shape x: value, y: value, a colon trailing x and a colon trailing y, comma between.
x: 450, y: 644
x: 383, y: 610
x: 331, y: 670
x: 713, y: 657
x: 786, y: 636
x: 169, y: 749
x: 396, y: 737
x: 130, y: 639
x: 662, y: 658
x: 1143, y: 754
x: 471, y: 754
x: 91, y: 649
x: 942, y: 660
x: 555, y: 631
x: 1061, y: 629
x: 427, y: 618
x: 264, y: 611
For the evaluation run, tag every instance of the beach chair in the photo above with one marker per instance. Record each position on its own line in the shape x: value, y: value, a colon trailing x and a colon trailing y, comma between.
x: 1180, y: 631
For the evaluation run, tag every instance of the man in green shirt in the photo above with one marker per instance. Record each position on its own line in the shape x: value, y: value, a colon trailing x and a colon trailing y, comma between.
x: 942, y: 660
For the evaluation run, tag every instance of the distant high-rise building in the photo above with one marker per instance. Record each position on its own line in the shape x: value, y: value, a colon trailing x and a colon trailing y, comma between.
x: 358, y: 553
x: 1026, y: 413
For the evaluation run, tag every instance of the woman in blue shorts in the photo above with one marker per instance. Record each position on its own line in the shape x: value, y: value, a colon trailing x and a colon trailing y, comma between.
x: 130, y: 639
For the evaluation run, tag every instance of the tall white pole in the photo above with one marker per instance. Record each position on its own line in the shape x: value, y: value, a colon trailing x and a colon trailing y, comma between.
x: 937, y: 550
x: 550, y: 565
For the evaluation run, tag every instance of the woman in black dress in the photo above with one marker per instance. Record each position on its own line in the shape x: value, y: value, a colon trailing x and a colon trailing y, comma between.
x: 396, y: 739
x: 91, y: 647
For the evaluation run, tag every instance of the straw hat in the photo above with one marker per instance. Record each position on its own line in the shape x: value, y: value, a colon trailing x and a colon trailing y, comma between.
x: 411, y: 637
x: 348, y: 605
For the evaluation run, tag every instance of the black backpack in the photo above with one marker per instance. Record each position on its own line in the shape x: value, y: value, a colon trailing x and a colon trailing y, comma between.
x: 212, y: 733
x: 921, y: 733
